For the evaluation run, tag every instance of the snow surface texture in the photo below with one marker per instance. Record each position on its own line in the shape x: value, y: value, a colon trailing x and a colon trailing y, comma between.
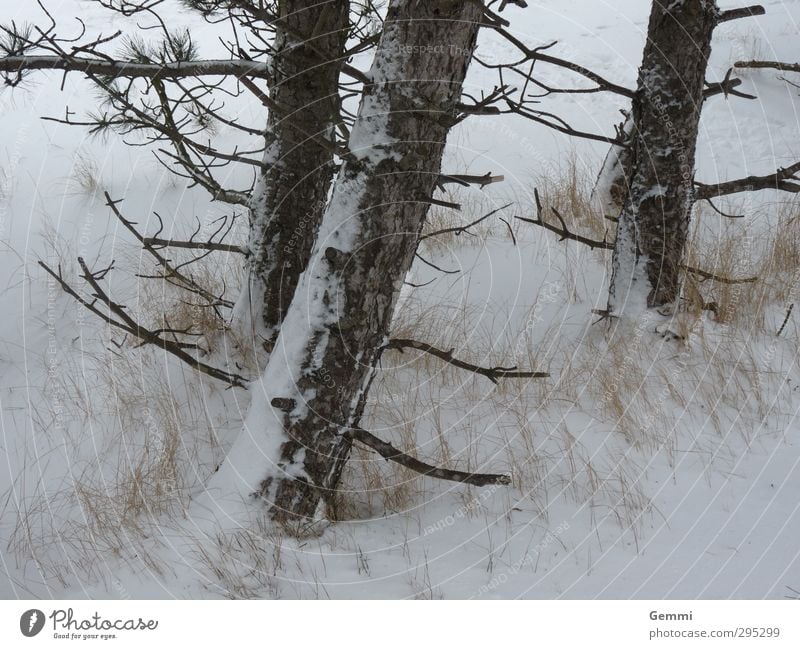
x: 644, y: 467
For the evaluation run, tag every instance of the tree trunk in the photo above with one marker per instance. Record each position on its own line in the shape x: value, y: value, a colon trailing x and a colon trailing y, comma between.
x: 654, y: 221
x: 611, y: 187
x: 290, y: 196
x: 312, y: 392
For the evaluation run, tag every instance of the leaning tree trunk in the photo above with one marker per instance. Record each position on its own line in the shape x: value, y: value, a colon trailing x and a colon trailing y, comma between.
x: 654, y: 221
x: 290, y: 197
x: 297, y: 436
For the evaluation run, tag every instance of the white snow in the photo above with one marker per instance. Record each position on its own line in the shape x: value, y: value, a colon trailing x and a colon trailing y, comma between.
x: 690, y: 490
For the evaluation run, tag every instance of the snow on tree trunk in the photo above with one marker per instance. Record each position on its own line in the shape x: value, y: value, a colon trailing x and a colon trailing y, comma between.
x: 654, y: 221
x: 295, y: 441
x: 611, y: 186
x: 290, y: 197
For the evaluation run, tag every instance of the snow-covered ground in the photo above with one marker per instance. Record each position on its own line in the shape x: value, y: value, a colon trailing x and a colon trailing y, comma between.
x: 643, y: 467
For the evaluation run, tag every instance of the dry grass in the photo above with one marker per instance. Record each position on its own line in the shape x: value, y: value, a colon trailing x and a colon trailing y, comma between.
x: 244, y: 564
x: 768, y: 250
x: 568, y: 188
x: 136, y: 448
x: 747, y: 44
x: 86, y: 178
x: 128, y: 436
x: 445, y: 222
x: 6, y: 185
x: 618, y: 399
x: 652, y: 395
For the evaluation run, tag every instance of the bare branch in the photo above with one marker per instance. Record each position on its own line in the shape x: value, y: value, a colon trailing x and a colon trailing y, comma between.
x: 566, y: 234
x: 434, y: 266
x: 785, y: 179
x: 127, y: 323
x: 726, y: 87
x: 523, y: 109
x: 718, y: 278
x: 561, y: 230
x: 537, y: 54
x: 170, y: 271
x: 721, y: 213
x: 776, y: 65
x: 743, y: 12
x: 465, y: 180
x: 392, y: 454
x: 463, y: 228
x: 196, y: 245
x: 491, y: 373
x: 126, y: 69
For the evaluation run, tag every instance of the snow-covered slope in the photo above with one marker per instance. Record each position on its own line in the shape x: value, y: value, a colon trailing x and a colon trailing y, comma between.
x: 643, y: 467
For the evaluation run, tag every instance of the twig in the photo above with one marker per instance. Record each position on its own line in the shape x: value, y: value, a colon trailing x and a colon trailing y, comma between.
x: 776, y: 65
x: 127, y: 323
x: 742, y: 12
x: 721, y: 213
x: 563, y: 231
x: 567, y: 234
x: 465, y: 180
x: 785, y: 179
x: 171, y: 271
x: 510, y: 231
x: 393, y: 454
x: 197, y: 245
x: 718, y: 278
x: 463, y: 228
x: 434, y: 266
x: 536, y: 54
x: 491, y: 373
x: 726, y: 87
x: 786, y: 319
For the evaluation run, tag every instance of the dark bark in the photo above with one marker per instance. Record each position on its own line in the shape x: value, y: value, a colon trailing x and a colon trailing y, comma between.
x: 290, y: 199
x: 132, y: 70
x: 325, y: 357
x: 611, y: 188
x: 392, y: 454
x: 786, y: 179
x: 654, y: 221
x: 775, y: 65
x: 494, y: 374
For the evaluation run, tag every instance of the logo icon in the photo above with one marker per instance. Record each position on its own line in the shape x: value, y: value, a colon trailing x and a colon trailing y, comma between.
x: 31, y: 622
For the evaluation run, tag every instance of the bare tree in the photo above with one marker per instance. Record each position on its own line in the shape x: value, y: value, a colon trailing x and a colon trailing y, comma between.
x: 324, y: 360
x: 614, y: 177
x: 389, y: 159
x: 288, y: 54
x: 290, y: 197
x: 654, y: 221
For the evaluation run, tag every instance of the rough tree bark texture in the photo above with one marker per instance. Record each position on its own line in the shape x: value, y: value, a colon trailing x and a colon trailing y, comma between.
x: 611, y: 186
x: 654, y: 221
x: 290, y: 197
x: 312, y: 392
